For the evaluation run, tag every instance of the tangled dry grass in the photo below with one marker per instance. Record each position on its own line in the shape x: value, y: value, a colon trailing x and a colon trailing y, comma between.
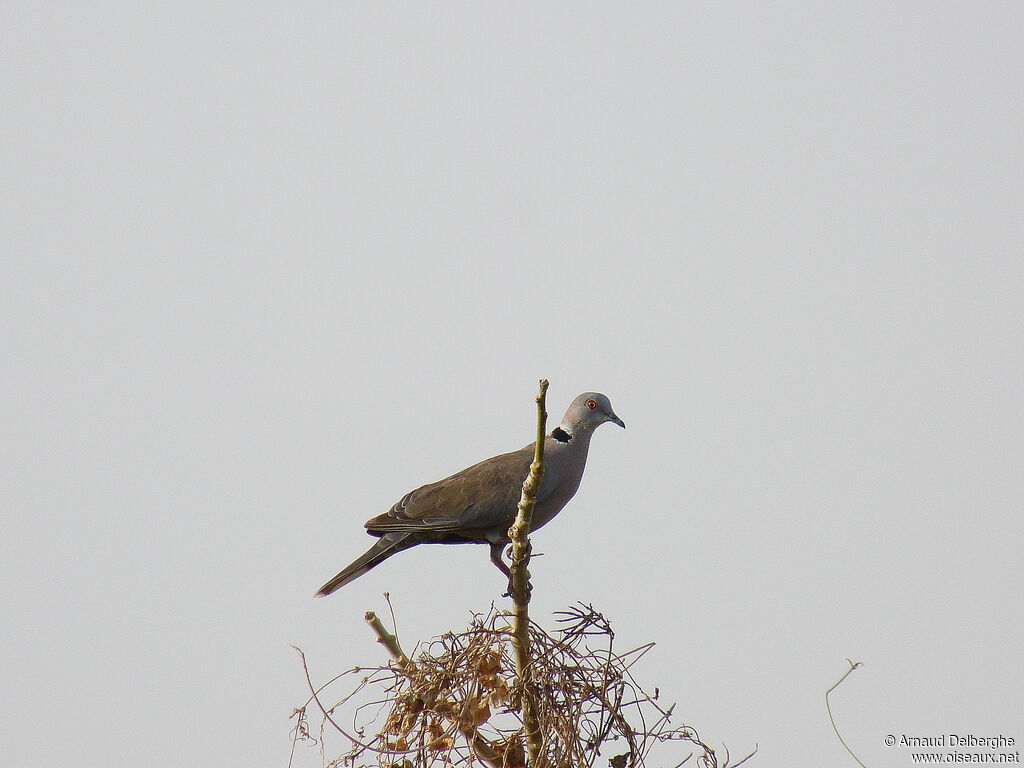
x: 457, y: 703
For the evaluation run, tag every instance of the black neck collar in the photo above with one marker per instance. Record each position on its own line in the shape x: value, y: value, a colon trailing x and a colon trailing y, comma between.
x: 561, y: 435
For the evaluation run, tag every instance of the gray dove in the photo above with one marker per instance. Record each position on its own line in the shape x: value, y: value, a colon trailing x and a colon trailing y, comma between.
x: 479, y: 503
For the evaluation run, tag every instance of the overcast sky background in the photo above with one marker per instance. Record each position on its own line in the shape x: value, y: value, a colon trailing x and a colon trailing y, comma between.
x: 266, y: 267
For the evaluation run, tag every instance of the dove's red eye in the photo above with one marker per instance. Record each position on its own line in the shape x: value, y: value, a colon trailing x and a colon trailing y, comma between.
x: 591, y: 404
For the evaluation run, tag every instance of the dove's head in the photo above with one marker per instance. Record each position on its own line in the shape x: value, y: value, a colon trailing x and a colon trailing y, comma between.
x: 589, y: 411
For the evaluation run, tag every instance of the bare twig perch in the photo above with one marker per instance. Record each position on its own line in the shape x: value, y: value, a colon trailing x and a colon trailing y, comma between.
x: 519, y: 533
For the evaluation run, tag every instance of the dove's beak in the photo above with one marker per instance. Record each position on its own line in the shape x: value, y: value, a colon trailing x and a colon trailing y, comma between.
x: 616, y: 420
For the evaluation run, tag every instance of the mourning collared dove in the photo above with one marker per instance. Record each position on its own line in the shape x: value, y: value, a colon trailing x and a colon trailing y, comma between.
x: 479, y: 503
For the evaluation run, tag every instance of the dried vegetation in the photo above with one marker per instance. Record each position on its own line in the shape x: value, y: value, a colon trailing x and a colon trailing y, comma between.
x: 456, y: 702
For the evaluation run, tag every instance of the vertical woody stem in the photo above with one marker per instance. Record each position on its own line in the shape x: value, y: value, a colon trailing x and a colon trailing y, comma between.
x: 519, y: 534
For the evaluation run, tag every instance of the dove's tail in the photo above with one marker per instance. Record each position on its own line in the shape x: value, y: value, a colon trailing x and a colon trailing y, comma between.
x: 387, y: 545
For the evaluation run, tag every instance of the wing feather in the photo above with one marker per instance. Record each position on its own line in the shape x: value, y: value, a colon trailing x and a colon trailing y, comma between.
x: 484, y: 495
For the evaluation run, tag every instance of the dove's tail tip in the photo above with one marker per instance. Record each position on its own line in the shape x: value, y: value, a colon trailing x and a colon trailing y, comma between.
x: 384, y: 548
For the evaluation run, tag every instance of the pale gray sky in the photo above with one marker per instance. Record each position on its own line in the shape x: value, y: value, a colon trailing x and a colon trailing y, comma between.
x: 269, y: 266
